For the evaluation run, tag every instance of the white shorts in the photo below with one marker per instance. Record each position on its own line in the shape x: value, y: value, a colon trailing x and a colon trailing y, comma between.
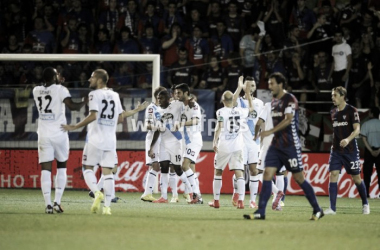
x: 192, y: 151
x: 156, y: 147
x: 50, y: 148
x: 262, y: 155
x: 93, y: 156
x: 251, y: 153
x: 171, y: 151
x: 234, y: 160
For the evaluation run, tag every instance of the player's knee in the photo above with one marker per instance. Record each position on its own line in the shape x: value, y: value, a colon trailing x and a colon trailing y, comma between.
x: 178, y: 170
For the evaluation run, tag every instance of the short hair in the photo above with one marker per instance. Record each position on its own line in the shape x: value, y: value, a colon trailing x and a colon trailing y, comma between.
x: 341, y: 90
x: 158, y: 90
x: 249, y: 78
x: 48, y: 74
x: 280, y: 78
x: 164, y: 93
x: 255, y: 30
x: 101, y: 74
x: 375, y: 112
x: 183, y: 87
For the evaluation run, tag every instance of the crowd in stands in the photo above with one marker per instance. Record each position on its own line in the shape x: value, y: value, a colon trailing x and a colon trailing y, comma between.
x: 205, y: 43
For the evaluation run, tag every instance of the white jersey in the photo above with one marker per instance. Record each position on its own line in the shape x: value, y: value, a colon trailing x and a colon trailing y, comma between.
x: 231, y: 138
x: 192, y: 134
x: 102, y: 132
x: 152, y: 117
x: 266, y: 116
x: 169, y: 117
x: 252, y: 118
x: 51, y: 109
x: 340, y: 53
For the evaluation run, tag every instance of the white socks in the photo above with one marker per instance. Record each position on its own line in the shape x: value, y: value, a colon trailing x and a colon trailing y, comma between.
x: 253, y: 187
x: 280, y: 182
x: 149, y: 184
x: 90, y: 179
x: 217, y: 186
x: 173, y: 183
x: 60, y: 184
x: 240, y: 182
x: 109, y: 189
x: 46, y: 186
x: 185, y: 181
x: 191, y: 177
x: 164, y: 185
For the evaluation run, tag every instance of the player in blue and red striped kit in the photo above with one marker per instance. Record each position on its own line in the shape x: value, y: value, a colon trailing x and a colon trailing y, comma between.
x: 344, y: 151
x: 285, y: 148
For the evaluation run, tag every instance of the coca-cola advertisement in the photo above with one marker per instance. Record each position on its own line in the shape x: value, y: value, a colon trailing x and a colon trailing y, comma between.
x: 20, y: 169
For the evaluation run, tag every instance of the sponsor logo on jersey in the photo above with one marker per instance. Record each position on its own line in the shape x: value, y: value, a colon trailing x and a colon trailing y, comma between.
x: 339, y: 124
x: 277, y: 114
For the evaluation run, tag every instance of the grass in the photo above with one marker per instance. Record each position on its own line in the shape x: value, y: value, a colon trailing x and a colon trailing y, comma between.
x: 138, y: 225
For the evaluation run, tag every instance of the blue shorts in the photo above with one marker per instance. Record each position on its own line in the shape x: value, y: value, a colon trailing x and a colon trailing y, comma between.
x: 351, y: 162
x: 289, y: 157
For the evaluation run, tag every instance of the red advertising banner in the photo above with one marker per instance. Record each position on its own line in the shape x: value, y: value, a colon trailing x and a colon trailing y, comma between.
x: 20, y: 169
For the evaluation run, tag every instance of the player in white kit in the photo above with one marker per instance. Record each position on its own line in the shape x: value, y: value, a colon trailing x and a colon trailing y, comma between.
x: 251, y: 146
x: 152, y: 117
x: 191, y: 124
x: 53, y: 143
x: 265, y: 123
x: 171, y: 142
x: 105, y: 113
x: 228, y: 145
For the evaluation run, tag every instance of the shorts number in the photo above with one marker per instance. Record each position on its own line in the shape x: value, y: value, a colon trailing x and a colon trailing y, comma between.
x: 293, y: 163
x: 355, y: 164
x: 177, y: 158
x: 48, y: 98
x: 102, y: 115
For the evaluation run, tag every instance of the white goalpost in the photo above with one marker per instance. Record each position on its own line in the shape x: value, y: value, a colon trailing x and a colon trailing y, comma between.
x: 153, y: 58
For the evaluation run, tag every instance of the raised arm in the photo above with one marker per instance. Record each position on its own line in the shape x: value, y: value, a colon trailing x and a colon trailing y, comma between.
x: 238, y: 90
x: 140, y: 107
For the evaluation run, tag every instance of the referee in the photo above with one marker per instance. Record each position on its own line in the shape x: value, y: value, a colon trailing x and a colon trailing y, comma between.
x: 370, y: 132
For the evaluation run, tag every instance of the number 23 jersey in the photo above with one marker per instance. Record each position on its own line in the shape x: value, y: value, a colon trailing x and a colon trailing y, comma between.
x: 102, y: 132
x: 51, y: 109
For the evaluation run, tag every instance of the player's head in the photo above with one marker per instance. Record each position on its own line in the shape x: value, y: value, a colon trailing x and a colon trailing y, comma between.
x: 98, y: 79
x: 181, y: 92
x: 193, y: 97
x: 338, y: 95
x: 276, y: 83
x: 50, y: 76
x: 374, y: 111
x: 250, y: 80
x: 157, y: 91
x: 227, y: 98
x: 163, y: 98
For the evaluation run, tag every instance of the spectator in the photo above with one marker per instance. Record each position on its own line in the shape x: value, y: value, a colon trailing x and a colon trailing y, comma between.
x: 42, y: 40
x: 103, y: 45
x: 234, y: 71
x: 214, y: 78
x: 172, y: 16
x: 149, y: 43
x: 82, y: 15
x: 213, y: 16
x: 235, y: 24
x: 221, y: 44
x: 320, y: 34
x: 273, y: 21
x: 153, y: 19
x: 320, y: 79
x: 269, y: 63
x: 109, y: 19
x: 126, y: 45
x: 248, y: 46
x: 195, y: 20
x: 82, y: 82
x: 70, y: 38
x: 296, y: 76
x: 292, y: 43
x: 341, y: 53
x: 85, y: 41
x: 12, y: 46
x: 198, y: 48
x: 303, y: 18
x: 183, y: 71
x: 350, y: 15
x: 171, y: 43
x: 124, y: 77
x: 358, y: 84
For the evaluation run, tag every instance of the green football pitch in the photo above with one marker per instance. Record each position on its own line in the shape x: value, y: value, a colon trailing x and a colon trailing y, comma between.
x: 140, y: 225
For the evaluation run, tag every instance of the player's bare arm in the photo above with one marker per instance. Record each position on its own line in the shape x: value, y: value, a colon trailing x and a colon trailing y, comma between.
x: 248, y: 97
x: 343, y: 143
x: 282, y: 125
x: 90, y: 118
x: 154, y: 140
x: 140, y: 107
x: 238, y: 90
x: 75, y: 105
x: 258, y: 128
x: 218, y: 129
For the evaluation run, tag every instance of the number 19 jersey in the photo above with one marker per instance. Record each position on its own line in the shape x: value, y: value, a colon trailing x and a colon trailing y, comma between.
x: 102, y: 132
x: 231, y: 138
x: 51, y: 109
